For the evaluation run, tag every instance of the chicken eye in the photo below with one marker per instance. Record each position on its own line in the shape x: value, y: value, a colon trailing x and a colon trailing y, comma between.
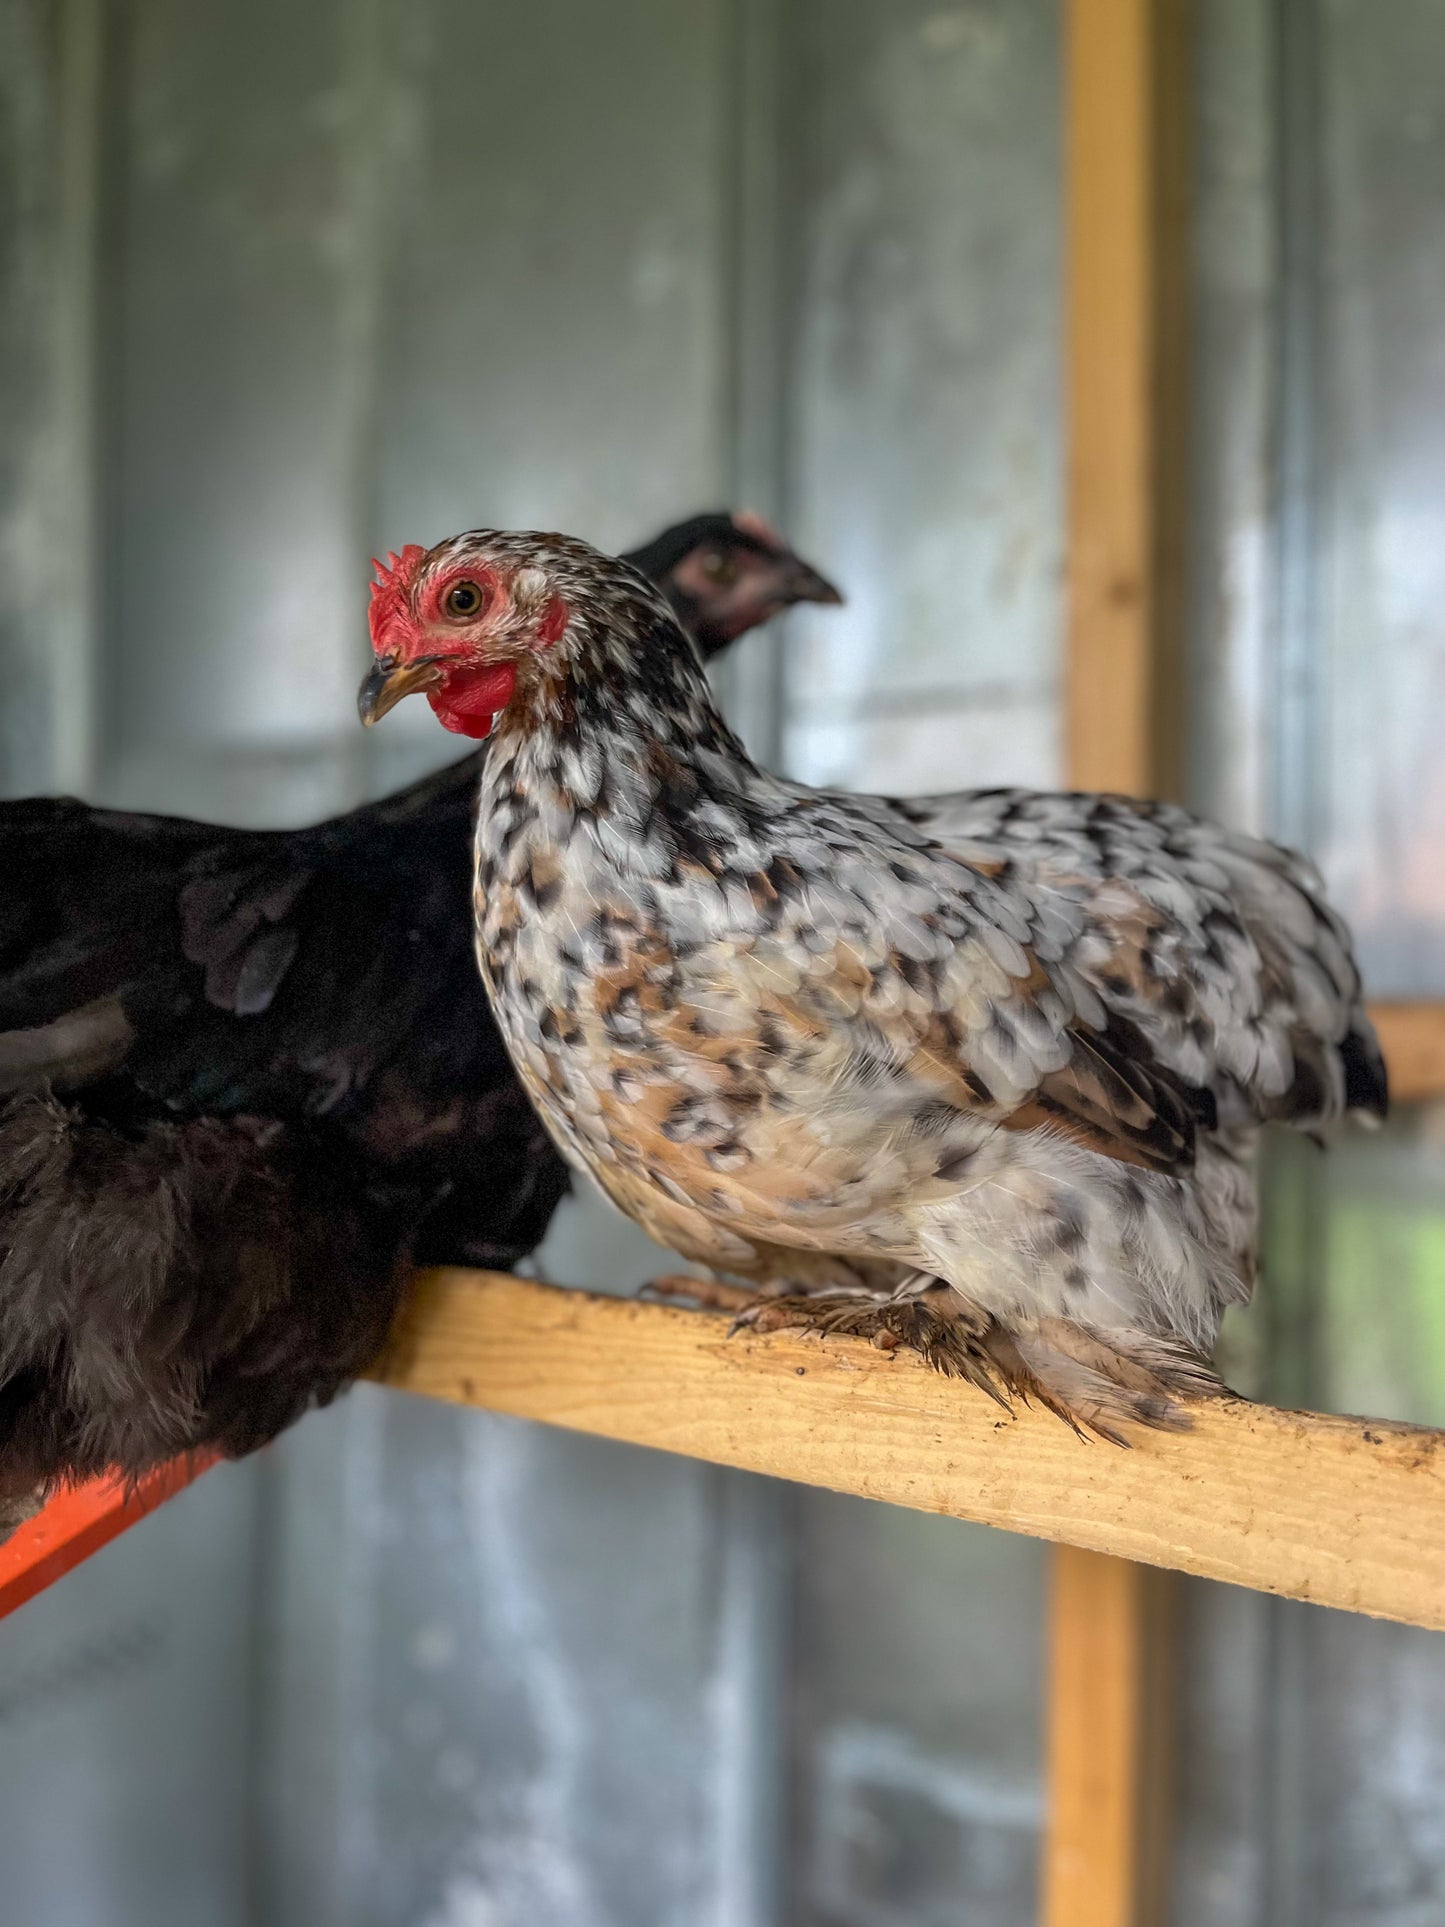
x: 720, y: 567
x: 463, y: 599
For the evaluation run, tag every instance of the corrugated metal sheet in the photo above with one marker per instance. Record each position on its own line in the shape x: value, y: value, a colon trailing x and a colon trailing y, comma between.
x: 1308, y: 1787
x: 282, y: 286
x: 924, y: 442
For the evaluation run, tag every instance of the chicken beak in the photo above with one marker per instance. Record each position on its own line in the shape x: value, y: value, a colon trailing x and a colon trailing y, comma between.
x: 804, y: 584
x: 389, y: 680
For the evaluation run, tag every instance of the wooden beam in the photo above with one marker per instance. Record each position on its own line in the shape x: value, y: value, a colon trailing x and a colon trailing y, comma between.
x: 1413, y: 1039
x: 1126, y: 333
x: 1126, y: 330
x: 1109, y: 1732
x: 1340, y: 1511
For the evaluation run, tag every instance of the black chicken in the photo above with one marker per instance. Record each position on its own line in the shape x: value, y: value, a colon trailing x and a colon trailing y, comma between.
x: 248, y: 1079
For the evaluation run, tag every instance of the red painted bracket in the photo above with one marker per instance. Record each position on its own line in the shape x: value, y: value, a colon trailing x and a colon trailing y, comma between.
x: 81, y: 1519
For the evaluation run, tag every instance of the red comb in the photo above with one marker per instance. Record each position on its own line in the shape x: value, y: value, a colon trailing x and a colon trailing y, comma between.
x: 389, y: 606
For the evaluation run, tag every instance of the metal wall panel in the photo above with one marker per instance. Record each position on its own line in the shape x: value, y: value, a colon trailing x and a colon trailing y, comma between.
x: 126, y: 1694
x: 924, y: 459
x: 125, y: 1727
x: 561, y: 1681
x: 537, y: 1714
x: 924, y: 452
x: 551, y: 245
x: 1319, y: 667
x: 1373, y: 1843
x: 235, y: 384
x: 535, y: 1731
x: 1381, y: 398
x: 1233, y: 572
x: 366, y: 273
x: 32, y: 133
x: 1308, y: 1785
x: 919, y: 1677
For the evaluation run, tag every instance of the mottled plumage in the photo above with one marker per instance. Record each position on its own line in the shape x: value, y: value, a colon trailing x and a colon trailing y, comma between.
x: 1017, y: 1044
x: 246, y: 1078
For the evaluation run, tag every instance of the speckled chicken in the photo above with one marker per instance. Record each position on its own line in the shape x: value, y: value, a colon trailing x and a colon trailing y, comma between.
x: 247, y: 1078
x: 981, y: 1074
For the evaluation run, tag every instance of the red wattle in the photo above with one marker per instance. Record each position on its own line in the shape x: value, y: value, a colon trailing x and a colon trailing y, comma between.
x: 467, y: 699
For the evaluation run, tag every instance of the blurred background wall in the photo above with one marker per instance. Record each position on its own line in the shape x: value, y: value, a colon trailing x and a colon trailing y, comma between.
x: 281, y: 287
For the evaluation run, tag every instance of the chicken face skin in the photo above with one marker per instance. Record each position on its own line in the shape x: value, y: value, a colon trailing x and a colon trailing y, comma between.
x: 459, y: 631
x: 464, y: 631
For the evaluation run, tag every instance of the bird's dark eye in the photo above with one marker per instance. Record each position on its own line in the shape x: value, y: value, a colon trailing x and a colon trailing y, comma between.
x: 463, y: 599
x: 719, y: 566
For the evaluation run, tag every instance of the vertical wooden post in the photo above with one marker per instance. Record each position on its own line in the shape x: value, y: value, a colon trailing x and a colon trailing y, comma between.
x: 1127, y: 111
x: 1126, y: 334
x: 1110, y: 1734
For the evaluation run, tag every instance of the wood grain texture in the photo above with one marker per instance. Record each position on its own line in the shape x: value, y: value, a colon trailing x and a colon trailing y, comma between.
x: 1109, y: 1740
x: 1126, y: 334
x: 1127, y: 110
x: 1340, y: 1511
x: 1413, y: 1039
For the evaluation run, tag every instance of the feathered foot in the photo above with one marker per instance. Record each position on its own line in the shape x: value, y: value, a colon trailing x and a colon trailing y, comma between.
x: 1098, y: 1381
x: 1095, y: 1384
x: 935, y: 1322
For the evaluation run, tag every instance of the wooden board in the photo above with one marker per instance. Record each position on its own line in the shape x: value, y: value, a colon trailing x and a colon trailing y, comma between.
x: 1127, y: 109
x: 1109, y: 1724
x: 1341, y: 1511
x: 1126, y: 332
x: 1413, y: 1039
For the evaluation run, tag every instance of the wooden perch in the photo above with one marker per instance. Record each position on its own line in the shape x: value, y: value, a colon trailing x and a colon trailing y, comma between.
x: 1412, y: 1037
x: 1343, y: 1512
